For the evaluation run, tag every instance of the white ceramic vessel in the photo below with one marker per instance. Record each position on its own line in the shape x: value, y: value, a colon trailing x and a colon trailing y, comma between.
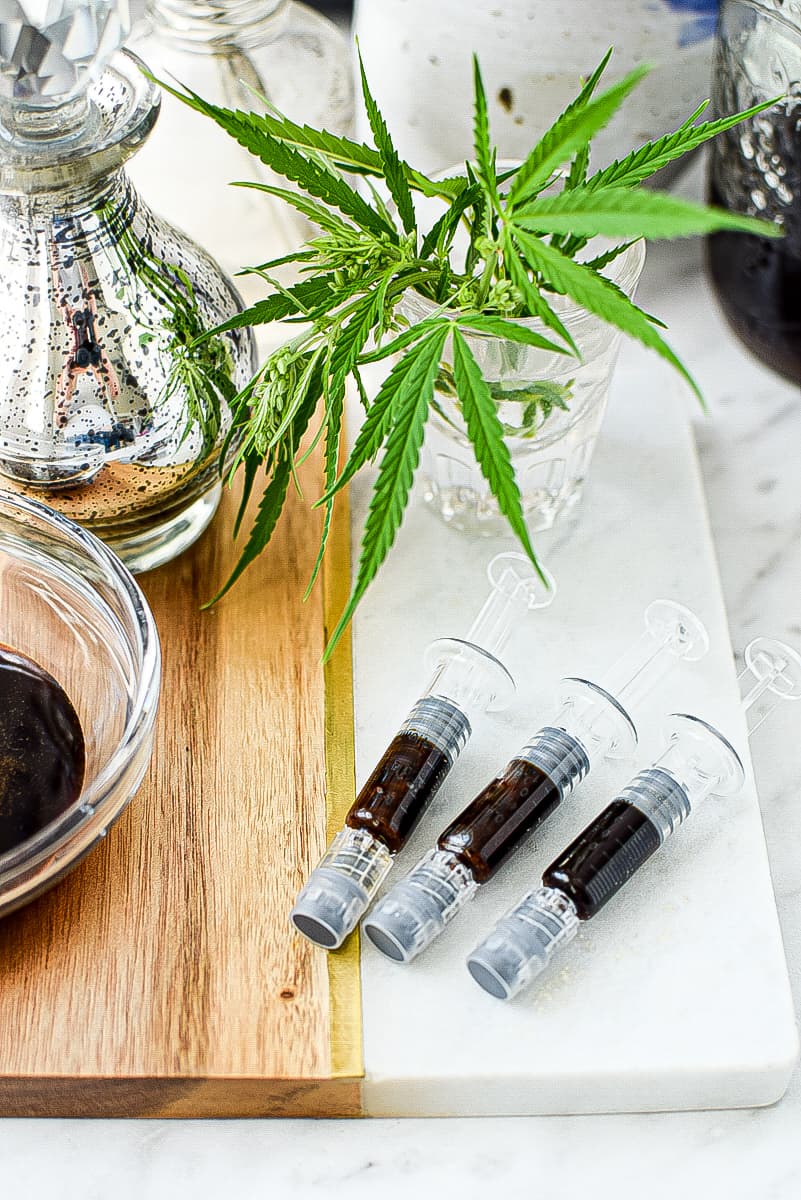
x: 532, y: 54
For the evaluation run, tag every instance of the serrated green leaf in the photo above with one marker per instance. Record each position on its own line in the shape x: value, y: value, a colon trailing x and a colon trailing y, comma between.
x: 272, y: 502
x: 603, y: 260
x: 573, y: 129
x: 486, y: 433
x: 622, y: 212
x: 597, y: 294
x: 485, y: 165
x: 295, y: 299
x: 641, y: 164
x: 578, y: 168
x: 405, y: 379
x: 339, y: 151
x: 512, y: 332
x: 252, y: 462
x: 443, y: 229
x: 251, y: 132
x: 404, y: 339
x: 533, y: 299
x: 394, y: 173
x: 332, y: 439
x: 353, y: 335
x: 313, y: 210
x: 395, y: 476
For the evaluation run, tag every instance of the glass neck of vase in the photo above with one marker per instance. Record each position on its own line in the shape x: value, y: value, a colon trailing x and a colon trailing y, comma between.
x: 36, y: 127
x: 103, y: 208
x: 195, y: 24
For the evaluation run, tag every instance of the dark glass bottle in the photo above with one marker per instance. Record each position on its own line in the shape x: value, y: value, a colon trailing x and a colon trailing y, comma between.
x: 755, y: 168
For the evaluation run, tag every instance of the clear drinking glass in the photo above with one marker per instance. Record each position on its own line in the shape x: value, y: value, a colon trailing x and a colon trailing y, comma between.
x: 550, y: 453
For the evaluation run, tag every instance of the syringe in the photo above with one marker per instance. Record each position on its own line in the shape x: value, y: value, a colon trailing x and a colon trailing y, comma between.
x: 467, y: 679
x: 698, y: 761
x: 594, y: 722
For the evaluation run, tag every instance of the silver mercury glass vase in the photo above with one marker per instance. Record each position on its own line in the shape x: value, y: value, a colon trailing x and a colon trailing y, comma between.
x: 108, y: 412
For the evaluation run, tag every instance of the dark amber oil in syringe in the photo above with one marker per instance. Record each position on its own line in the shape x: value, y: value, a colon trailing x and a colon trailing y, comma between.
x: 597, y: 864
x: 501, y: 816
x: 42, y: 752
x: 410, y: 772
x: 406, y: 779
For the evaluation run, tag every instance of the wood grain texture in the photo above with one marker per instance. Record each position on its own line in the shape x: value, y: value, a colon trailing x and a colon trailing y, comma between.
x: 163, y: 977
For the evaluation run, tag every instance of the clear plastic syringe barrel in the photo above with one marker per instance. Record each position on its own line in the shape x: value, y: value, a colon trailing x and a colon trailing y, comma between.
x: 592, y: 723
x: 698, y: 761
x: 467, y: 678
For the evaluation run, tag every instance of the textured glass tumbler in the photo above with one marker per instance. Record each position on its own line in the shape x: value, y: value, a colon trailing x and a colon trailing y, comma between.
x: 550, y: 453
x: 755, y: 168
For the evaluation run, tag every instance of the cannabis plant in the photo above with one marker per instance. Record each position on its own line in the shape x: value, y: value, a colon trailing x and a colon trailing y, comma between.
x: 526, y: 232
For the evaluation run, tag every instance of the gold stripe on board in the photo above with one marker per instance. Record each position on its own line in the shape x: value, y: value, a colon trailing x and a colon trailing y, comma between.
x: 344, y: 983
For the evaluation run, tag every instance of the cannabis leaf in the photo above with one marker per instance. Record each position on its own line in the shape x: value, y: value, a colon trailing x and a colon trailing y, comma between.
x: 485, y: 158
x: 348, y: 303
x: 396, y: 471
x: 486, y: 434
x: 498, y: 327
x: 641, y: 164
x: 597, y: 294
x: 619, y: 212
x: 404, y: 381
x: 272, y: 502
x: 568, y: 135
x: 394, y: 173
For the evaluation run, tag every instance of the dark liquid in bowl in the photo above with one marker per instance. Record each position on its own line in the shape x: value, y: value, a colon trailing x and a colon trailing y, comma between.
x: 42, y: 751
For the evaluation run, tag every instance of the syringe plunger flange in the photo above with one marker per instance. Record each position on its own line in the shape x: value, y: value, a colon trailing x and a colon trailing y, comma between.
x: 700, y: 759
x: 772, y: 673
x: 600, y: 713
x: 469, y: 670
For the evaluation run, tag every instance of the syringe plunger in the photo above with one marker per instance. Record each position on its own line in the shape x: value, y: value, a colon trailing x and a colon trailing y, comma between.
x: 698, y: 761
x: 601, y: 715
x: 467, y: 677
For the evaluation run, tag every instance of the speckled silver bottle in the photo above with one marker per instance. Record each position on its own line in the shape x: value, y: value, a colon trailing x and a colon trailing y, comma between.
x: 94, y: 418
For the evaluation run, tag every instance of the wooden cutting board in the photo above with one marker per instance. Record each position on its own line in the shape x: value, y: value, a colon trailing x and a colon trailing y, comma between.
x: 162, y: 977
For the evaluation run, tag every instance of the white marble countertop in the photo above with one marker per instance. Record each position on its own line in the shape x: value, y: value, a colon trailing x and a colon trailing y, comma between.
x: 749, y: 451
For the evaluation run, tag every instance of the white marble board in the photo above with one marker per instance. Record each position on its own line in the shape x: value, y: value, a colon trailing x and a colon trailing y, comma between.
x: 674, y: 997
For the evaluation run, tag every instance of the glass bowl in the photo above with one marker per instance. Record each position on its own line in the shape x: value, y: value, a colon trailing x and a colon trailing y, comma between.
x: 69, y: 604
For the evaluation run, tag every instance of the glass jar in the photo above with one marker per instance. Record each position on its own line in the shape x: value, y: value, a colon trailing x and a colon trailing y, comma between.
x: 551, y: 407
x: 755, y: 168
x: 232, y: 53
